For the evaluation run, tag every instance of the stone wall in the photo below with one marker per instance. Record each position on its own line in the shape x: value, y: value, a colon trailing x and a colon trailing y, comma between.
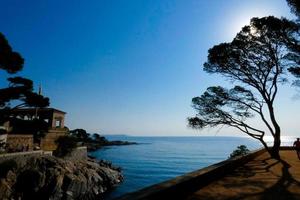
x: 3, y: 138
x: 7, y: 156
x: 19, y: 142
x: 79, y: 153
x: 48, y: 142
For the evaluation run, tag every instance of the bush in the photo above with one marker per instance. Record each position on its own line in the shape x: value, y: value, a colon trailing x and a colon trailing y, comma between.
x: 240, y: 151
x: 65, y: 145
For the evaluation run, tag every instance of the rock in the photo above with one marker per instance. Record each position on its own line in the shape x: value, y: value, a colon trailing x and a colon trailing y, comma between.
x: 95, y: 145
x: 48, y: 177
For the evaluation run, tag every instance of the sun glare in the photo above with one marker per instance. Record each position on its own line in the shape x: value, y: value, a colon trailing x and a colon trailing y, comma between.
x: 242, y: 18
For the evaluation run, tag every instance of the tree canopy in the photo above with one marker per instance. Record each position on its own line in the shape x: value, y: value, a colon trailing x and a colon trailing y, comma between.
x: 10, y: 61
x: 295, y: 7
x: 22, y: 89
x: 294, y: 42
x: 80, y: 134
x: 20, y: 92
x: 257, y: 61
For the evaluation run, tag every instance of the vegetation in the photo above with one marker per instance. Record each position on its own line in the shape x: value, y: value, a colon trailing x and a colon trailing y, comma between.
x: 65, y: 145
x: 36, y: 126
x: 294, y: 45
x: 257, y: 61
x: 94, y: 141
x: 295, y: 7
x: 239, y: 151
x: 80, y: 134
x: 19, y: 92
x: 99, y: 139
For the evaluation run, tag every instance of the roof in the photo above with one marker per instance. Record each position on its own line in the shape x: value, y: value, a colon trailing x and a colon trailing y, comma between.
x: 33, y: 110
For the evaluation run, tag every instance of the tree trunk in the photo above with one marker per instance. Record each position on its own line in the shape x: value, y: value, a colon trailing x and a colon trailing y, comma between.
x: 274, y: 151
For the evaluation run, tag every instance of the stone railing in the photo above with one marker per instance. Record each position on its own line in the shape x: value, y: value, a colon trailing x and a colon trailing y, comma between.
x: 6, y: 156
x: 178, y: 187
x: 79, y: 153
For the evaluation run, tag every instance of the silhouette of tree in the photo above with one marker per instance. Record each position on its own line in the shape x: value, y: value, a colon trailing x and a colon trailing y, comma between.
x: 257, y: 59
x: 10, y: 61
x: 65, y: 145
x: 295, y: 6
x: 80, y: 134
x: 294, y: 42
x: 240, y: 151
x: 100, y: 139
x: 19, y: 92
x: 21, y: 89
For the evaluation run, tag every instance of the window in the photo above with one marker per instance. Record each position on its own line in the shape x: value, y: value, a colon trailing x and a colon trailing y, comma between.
x: 58, y: 123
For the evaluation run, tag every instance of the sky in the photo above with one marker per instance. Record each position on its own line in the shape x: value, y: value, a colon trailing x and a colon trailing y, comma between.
x: 131, y: 67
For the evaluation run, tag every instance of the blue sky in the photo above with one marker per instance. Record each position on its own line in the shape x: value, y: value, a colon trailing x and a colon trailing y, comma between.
x: 130, y: 67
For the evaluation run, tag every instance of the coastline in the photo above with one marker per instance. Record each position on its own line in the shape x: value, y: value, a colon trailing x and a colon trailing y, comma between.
x: 239, y: 177
x: 96, y: 146
x: 47, y: 176
x: 158, y: 159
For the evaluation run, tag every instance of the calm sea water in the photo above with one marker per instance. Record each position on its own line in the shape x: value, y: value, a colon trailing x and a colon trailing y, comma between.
x: 156, y: 159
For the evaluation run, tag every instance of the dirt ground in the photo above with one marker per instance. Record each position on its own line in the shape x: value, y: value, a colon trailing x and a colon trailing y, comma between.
x: 261, y: 178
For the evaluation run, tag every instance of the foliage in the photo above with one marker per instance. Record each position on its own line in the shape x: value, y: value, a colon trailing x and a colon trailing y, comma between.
x: 37, y: 127
x: 257, y: 60
x: 295, y: 6
x: 10, y: 61
x: 20, y: 90
x: 80, y: 135
x: 294, y: 42
x: 239, y: 151
x: 92, y: 141
x: 99, y: 139
x: 65, y: 145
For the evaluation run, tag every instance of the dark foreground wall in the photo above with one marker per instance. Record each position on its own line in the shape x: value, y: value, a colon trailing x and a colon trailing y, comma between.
x: 180, y: 186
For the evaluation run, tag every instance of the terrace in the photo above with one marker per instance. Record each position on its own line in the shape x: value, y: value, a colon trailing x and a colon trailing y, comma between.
x: 255, y: 176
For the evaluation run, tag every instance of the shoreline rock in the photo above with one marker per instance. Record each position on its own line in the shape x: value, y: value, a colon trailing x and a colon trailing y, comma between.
x: 49, y: 177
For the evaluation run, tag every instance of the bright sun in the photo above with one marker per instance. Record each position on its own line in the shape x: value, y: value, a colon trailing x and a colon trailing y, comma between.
x: 240, y: 19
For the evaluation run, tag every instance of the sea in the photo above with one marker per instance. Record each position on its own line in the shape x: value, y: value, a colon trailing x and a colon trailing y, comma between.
x: 157, y: 159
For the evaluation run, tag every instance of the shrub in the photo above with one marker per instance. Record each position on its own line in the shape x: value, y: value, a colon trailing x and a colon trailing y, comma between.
x: 65, y: 145
x: 239, y: 151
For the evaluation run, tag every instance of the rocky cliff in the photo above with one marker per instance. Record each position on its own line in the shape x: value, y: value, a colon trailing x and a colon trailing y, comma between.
x: 48, y: 177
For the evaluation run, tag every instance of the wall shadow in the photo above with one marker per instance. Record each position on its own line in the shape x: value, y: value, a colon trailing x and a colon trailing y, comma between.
x: 279, y: 190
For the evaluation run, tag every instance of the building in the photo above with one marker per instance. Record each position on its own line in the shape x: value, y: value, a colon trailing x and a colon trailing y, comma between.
x: 20, y: 136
